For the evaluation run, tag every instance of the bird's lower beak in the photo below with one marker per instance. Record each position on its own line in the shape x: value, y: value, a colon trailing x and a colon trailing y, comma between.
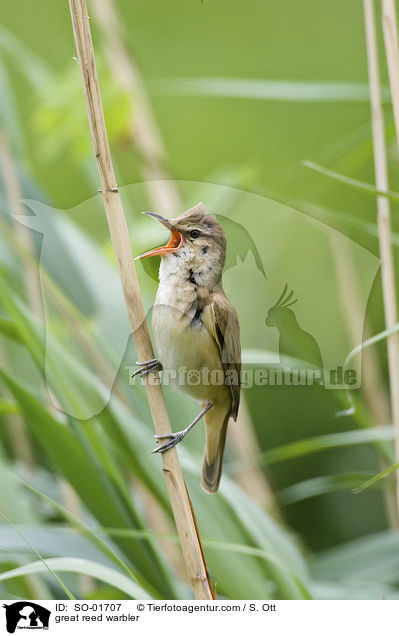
x: 175, y: 243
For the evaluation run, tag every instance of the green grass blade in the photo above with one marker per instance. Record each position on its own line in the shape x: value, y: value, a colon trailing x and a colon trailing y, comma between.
x: 43, y: 562
x: 372, y: 558
x: 288, y: 565
x: 81, y: 566
x: 376, y: 478
x: 321, y: 486
x: 84, y: 529
x: 268, y: 90
x: 371, y: 341
x: 311, y: 445
x: 331, y: 215
x: 355, y: 183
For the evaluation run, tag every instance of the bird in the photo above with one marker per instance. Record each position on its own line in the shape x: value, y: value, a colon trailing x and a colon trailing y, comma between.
x: 196, y: 329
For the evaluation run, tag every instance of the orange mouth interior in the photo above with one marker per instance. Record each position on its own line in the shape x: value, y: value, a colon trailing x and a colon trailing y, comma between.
x: 176, y: 240
x: 175, y: 243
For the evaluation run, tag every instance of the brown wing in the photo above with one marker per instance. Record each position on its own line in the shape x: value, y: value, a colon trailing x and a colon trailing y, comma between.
x: 226, y: 331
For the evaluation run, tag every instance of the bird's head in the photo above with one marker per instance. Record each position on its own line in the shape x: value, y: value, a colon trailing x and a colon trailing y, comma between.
x: 197, y: 244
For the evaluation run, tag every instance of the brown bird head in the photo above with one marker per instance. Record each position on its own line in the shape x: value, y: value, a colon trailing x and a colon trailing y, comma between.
x: 197, y: 244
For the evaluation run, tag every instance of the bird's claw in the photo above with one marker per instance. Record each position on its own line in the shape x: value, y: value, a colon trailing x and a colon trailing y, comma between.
x: 174, y: 438
x: 147, y: 367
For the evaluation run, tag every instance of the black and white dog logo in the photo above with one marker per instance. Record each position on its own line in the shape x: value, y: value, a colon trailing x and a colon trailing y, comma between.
x: 26, y: 615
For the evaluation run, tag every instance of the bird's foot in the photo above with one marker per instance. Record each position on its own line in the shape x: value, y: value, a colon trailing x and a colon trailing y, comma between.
x: 147, y: 367
x: 174, y: 438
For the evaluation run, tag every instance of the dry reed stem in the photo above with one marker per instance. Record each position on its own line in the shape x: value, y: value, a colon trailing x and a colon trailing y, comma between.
x: 392, y: 54
x: 180, y: 501
x: 383, y: 219
x: 144, y: 136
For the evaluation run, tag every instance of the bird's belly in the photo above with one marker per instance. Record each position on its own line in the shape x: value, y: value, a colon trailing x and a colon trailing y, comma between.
x: 188, y: 353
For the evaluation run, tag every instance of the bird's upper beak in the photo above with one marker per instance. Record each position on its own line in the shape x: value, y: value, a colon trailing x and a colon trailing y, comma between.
x: 175, y: 243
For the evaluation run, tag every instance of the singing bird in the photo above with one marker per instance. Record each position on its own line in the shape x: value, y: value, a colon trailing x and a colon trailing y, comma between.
x: 196, y: 330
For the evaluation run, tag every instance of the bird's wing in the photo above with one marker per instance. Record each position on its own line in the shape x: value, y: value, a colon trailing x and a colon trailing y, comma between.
x: 224, y: 327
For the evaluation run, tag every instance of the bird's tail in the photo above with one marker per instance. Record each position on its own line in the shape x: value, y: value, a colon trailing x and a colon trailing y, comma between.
x: 216, y: 421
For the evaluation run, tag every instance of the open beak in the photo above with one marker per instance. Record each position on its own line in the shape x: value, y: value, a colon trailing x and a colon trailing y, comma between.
x: 175, y: 243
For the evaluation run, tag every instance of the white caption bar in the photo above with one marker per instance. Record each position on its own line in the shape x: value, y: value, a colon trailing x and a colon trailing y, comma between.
x: 183, y: 617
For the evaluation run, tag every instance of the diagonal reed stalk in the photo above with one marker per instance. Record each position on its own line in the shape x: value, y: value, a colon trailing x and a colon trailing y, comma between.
x: 180, y: 501
x: 392, y: 54
x: 145, y: 138
x: 383, y: 216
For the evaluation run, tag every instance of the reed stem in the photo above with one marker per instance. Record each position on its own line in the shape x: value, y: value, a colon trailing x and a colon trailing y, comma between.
x: 181, y: 505
x: 383, y: 218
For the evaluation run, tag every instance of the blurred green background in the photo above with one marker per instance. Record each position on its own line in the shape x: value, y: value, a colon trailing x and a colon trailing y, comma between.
x: 241, y: 93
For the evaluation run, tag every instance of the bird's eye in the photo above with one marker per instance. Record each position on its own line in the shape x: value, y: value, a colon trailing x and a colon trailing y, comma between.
x: 194, y: 234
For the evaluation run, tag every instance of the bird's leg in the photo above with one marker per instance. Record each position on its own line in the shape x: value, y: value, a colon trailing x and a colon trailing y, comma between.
x: 175, y: 438
x: 147, y: 367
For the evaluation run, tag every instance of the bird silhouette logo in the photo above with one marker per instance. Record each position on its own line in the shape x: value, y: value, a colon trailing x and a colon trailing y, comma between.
x: 294, y: 342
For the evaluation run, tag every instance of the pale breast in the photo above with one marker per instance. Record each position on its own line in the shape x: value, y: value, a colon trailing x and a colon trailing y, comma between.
x: 182, y: 341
